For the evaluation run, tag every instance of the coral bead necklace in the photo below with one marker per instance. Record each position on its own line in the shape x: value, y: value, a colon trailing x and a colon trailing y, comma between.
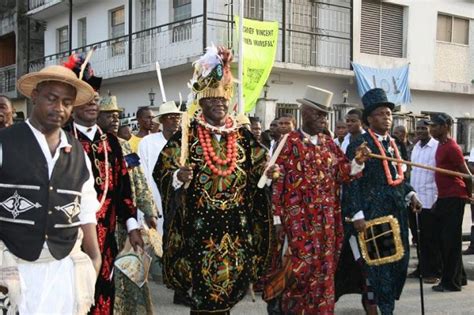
x: 386, y: 169
x: 218, y: 165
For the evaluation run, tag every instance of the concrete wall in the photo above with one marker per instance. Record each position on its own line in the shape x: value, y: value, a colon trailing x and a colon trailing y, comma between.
x: 98, y: 21
x: 421, y: 45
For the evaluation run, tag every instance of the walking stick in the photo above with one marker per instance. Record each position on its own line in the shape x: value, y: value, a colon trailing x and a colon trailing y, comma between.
x: 418, y: 253
x: 426, y: 167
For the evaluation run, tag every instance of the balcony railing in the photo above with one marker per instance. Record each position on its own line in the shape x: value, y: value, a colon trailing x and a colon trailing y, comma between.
x: 183, y: 41
x: 33, y: 4
x: 7, y: 79
x: 171, y: 44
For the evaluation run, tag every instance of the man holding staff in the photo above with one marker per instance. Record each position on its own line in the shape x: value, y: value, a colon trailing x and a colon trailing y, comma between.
x: 380, y: 192
x: 216, y: 221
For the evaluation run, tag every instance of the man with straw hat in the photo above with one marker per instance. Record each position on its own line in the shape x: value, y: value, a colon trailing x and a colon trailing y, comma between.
x: 169, y: 117
x: 380, y: 192
x: 129, y: 298
x: 47, y: 202
x: 216, y: 221
x: 112, y: 185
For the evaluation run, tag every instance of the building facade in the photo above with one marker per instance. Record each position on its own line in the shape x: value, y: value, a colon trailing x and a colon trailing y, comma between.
x: 20, y: 39
x: 318, y: 40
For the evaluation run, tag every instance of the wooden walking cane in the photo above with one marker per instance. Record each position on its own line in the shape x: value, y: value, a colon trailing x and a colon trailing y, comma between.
x: 184, y: 142
x: 427, y: 167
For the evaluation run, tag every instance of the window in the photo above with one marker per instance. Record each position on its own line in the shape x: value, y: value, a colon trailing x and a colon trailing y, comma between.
x: 147, y: 14
x: 253, y: 9
x: 381, y: 29
x: 63, y: 39
x: 81, y: 32
x: 117, y: 29
x: 452, y: 29
x: 181, y: 11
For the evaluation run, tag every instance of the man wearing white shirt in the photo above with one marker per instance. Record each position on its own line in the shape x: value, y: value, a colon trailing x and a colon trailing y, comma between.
x: 423, y: 181
x: 150, y: 148
x: 354, y: 128
x: 46, y: 194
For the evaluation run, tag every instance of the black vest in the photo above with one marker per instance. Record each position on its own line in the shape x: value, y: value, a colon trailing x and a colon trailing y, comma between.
x: 34, y: 208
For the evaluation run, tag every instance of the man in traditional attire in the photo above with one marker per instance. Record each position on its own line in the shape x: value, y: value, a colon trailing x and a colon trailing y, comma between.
x: 129, y: 298
x: 217, y: 222
x: 112, y: 185
x: 306, y: 198
x: 381, y: 191
x: 47, y: 203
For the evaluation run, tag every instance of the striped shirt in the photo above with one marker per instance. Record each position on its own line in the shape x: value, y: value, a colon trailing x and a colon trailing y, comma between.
x: 423, y: 181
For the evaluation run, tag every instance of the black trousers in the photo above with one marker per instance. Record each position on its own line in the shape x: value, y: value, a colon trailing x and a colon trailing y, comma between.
x: 449, y: 213
x: 430, y: 260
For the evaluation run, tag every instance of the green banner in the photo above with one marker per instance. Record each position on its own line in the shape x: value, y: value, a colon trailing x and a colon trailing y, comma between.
x: 260, y: 46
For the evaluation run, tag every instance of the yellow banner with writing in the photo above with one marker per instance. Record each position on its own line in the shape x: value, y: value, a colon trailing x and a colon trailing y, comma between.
x: 260, y: 46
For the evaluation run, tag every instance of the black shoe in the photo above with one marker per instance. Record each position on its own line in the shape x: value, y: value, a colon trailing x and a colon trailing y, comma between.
x: 414, y: 275
x: 441, y: 288
x: 468, y: 251
x: 182, y: 298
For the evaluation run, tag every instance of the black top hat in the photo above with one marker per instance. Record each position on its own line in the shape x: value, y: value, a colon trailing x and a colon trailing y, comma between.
x: 374, y: 99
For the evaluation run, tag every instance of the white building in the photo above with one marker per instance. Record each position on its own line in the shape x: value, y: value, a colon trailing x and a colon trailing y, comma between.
x: 317, y: 42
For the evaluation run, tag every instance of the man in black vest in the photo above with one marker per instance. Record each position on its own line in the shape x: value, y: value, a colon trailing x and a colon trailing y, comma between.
x: 46, y: 194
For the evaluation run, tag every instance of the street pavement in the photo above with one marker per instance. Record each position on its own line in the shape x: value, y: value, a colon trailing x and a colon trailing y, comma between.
x: 436, y: 303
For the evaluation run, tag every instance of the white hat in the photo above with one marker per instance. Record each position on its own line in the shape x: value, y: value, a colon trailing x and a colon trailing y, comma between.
x: 27, y: 83
x: 317, y: 98
x: 167, y: 108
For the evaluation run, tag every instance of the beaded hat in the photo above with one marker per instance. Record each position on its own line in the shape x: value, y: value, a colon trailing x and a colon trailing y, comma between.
x: 212, y: 76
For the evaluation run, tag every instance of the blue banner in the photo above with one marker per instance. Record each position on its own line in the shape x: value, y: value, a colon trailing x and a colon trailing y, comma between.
x: 393, y: 81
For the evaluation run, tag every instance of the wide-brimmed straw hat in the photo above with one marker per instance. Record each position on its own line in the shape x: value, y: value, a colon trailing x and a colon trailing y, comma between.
x: 28, y: 82
x: 317, y: 98
x: 167, y: 108
x: 109, y: 104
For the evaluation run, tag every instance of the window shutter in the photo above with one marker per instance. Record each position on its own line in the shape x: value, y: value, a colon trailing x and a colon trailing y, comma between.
x: 392, y: 30
x: 370, y: 28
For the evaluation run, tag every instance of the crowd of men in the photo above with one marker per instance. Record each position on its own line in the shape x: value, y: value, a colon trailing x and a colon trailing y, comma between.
x: 281, y: 211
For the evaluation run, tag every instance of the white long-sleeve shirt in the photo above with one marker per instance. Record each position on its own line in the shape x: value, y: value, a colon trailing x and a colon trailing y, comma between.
x: 423, y: 181
x: 42, y: 283
x: 149, y: 150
